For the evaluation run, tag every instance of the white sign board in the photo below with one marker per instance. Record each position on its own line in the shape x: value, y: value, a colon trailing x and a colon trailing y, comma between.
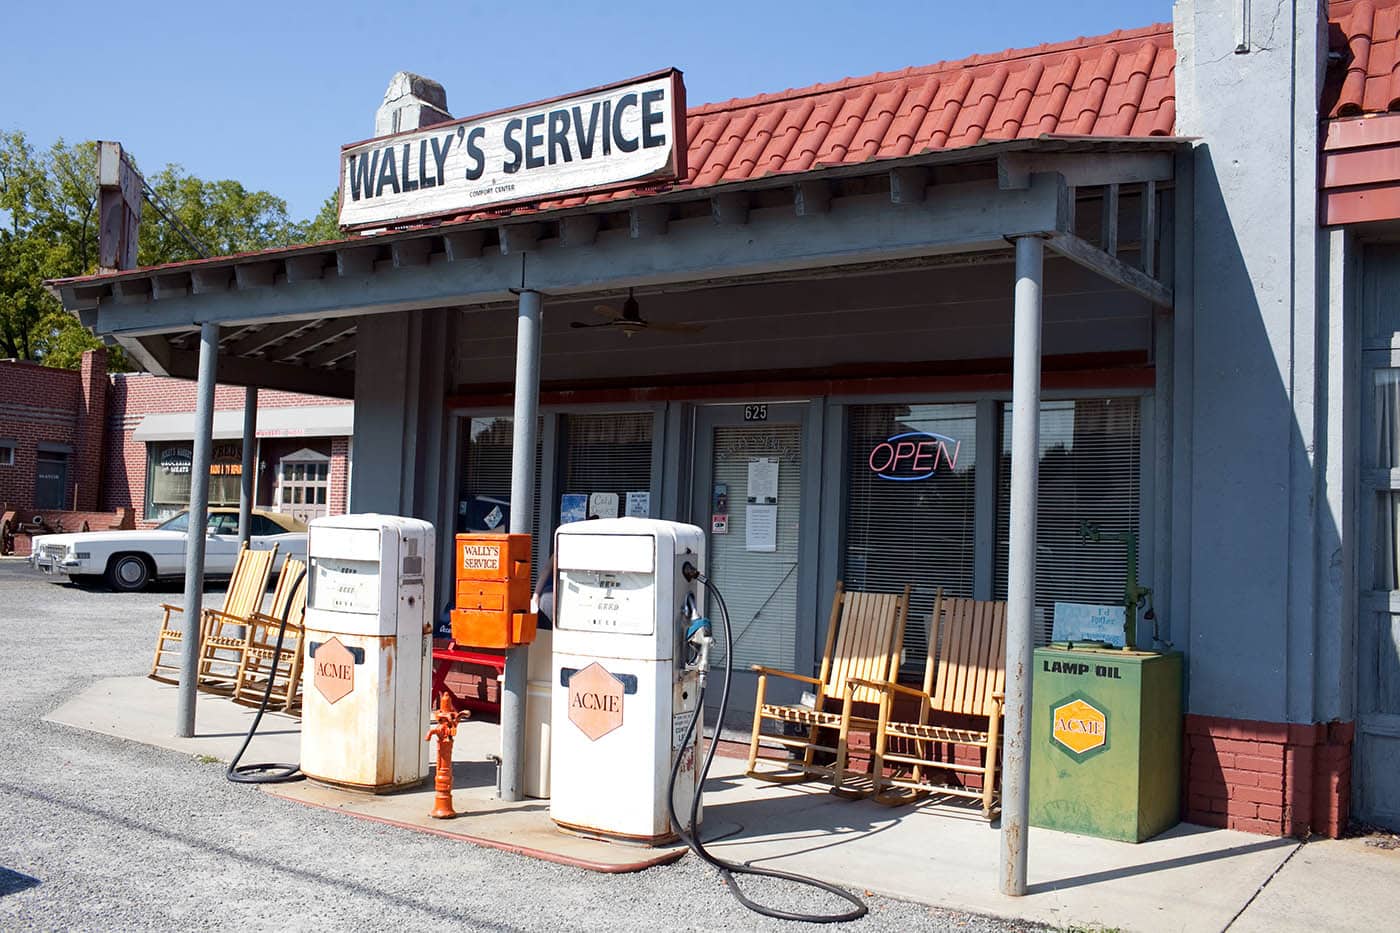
x: 1084, y: 622
x: 620, y: 134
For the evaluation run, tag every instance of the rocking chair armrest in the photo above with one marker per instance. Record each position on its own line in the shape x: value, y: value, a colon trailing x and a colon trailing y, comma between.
x: 883, y: 686
x: 263, y: 618
x: 169, y: 608
x: 760, y: 669
x: 227, y: 616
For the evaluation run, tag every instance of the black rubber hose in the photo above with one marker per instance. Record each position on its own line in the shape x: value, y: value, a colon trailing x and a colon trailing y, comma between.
x: 276, y: 772
x: 728, y: 869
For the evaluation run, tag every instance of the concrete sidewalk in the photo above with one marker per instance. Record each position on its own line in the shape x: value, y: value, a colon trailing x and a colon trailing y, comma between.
x: 1190, y: 878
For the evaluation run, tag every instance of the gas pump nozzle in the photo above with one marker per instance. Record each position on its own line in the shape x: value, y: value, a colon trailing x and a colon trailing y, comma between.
x: 698, y: 637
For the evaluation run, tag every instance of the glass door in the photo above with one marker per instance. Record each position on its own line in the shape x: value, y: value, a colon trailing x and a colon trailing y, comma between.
x: 751, y: 485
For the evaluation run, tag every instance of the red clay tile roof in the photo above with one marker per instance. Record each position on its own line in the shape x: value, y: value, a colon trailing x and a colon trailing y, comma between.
x: 1120, y: 84
x: 1366, y: 33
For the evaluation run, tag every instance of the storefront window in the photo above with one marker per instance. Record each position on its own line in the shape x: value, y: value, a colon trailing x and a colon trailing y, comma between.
x: 168, y: 477
x: 1090, y: 470
x: 910, y: 506
x: 605, y: 466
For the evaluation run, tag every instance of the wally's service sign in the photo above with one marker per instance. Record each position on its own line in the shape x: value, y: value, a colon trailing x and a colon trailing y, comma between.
x: 621, y: 134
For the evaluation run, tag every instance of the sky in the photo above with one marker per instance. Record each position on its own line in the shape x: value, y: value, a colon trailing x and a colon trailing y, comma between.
x: 267, y: 92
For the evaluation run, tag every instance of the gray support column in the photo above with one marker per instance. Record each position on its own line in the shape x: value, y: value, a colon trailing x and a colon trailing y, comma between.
x: 522, y: 509
x: 1020, y: 608
x: 250, y: 463
x: 198, y: 523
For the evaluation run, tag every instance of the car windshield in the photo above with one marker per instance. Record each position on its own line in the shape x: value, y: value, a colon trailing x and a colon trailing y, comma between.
x: 180, y: 522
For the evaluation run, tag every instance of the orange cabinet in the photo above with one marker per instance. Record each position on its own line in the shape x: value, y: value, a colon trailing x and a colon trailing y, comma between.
x: 492, y: 608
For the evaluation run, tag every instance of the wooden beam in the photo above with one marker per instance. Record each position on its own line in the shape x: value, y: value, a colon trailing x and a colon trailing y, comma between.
x: 1110, y: 220
x: 330, y: 329
x: 243, y: 371
x: 730, y: 207
x: 1149, y: 228
x: 908, y: 185
x: 1111, y: 268
x: 648, y: 220
x: 811, y: 198
x: 254, y: 342
x: 464, y: 244
x: 332, y: 353
x: 519, y: 238
x: 1083, y: 170
x: 579, y: 230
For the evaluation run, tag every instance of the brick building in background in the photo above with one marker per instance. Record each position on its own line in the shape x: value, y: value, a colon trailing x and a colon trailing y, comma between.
x: 85, y: 445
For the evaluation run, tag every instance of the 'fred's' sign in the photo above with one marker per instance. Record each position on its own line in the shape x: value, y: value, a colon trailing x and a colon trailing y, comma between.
x: 623, y: 133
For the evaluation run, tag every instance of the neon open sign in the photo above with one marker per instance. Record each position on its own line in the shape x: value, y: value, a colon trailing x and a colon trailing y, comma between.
x: 913, y: 456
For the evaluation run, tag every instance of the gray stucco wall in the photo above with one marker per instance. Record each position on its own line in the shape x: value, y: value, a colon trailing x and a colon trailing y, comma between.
x: 1260, y: 531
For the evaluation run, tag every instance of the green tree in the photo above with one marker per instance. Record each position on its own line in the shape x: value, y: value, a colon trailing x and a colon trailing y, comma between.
x: 48, y: 229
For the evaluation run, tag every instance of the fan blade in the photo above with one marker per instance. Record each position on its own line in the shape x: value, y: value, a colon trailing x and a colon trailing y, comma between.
x: 581, y: 324
x: 676, y: 328
x: 612, y: 314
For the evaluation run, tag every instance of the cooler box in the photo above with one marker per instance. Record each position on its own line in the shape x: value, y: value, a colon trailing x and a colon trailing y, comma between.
x: 1106, y: 742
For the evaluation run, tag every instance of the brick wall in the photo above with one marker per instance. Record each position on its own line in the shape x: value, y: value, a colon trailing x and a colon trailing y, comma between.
x: 1281, y: 779
x: 339, y: 498
x: 38, y: 404
x: 74, y: 521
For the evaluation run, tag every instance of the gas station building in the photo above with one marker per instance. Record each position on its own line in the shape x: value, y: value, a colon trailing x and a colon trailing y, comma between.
x: 1187, y: 230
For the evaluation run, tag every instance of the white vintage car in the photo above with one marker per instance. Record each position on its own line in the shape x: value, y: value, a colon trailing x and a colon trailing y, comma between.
x: 129, y: 560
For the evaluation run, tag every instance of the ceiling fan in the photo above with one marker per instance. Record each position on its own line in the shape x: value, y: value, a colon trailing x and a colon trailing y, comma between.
x: 629, y: 320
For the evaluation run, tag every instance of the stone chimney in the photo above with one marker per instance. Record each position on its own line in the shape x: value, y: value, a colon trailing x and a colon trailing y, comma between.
x: 411, y: 102
x: 91, y: 430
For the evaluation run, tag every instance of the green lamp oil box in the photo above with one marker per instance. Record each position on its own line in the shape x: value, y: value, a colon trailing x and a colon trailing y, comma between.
x: 1106, y: 742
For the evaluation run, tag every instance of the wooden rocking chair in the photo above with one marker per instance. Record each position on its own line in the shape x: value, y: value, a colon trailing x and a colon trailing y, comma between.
x: 255, y: 664
x: 964, y: 677
x: 244, y: 597
x: 863, y: 640
x: 226, y: 632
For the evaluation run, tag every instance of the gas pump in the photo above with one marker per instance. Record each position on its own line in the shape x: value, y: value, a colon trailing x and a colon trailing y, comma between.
x: 624, y: 693
x: 368, y: 639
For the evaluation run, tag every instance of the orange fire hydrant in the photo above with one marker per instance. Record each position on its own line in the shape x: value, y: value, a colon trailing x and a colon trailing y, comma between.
x: 446, y: 719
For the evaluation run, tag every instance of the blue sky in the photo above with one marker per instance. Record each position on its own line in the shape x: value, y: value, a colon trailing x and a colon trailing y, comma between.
x: 267, y: 92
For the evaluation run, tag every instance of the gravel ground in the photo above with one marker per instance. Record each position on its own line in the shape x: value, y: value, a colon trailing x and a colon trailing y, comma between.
x: 103, y: 834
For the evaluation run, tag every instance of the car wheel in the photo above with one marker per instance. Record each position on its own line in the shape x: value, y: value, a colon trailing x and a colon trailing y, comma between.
x: 128, y: 573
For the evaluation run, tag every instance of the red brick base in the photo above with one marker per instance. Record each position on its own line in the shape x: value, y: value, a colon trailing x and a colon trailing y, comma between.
x: 73, y: 521
x: 1280, y: 779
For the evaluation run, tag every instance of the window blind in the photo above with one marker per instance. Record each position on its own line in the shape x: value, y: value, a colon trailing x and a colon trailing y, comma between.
x: 760, y: 587
x: 606, y: 453
x: 484, y: 503
x: 905, y: 527
x: 1090, y: 470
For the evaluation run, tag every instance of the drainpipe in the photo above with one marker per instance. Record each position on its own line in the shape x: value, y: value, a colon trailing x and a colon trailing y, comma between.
x: 1020, y: 597
x: 198, y: 524
x: 250, y: 464
x: 511, y: 778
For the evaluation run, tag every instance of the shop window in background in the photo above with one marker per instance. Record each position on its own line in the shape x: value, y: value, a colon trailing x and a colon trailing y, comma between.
x: 1090, y: 470
x: 168, y: 477
x: 303, y: 485
x: 605, y: 466
x: 910, y: 506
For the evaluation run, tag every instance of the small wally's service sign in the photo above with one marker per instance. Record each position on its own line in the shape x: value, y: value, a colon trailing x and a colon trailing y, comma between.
x: 620, y: 134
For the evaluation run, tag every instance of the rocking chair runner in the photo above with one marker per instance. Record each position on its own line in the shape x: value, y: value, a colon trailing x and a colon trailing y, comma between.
x: 259, y: 645
x: 863, y: 641
x: 243, y: 597
x: 965, y: 676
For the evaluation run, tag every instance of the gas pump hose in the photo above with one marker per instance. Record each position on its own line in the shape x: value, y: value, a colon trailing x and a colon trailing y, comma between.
x: 729, y: 869
x: 273, y: 773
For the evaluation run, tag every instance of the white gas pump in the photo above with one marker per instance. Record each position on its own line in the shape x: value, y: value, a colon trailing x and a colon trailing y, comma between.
x: 368, y: 639
x: 623, y: 693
